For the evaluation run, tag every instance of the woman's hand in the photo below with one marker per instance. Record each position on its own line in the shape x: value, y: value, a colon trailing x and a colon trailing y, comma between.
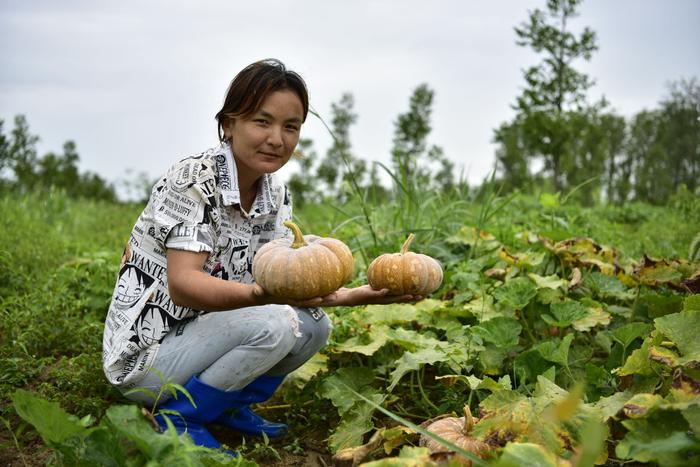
x: 365, y: 295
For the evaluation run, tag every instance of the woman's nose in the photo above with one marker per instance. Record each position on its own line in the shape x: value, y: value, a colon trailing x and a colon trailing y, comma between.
x: 274, y: 137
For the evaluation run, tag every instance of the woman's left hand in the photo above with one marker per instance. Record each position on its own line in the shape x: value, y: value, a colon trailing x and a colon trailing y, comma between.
x: 365, y: 295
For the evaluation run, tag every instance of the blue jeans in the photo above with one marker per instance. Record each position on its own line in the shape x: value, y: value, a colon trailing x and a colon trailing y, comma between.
x: 230, y: 349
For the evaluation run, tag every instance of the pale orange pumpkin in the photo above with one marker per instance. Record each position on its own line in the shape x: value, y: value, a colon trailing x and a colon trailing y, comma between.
x: 405, y: 272
x: 307, y: 266
x: 458, y: 432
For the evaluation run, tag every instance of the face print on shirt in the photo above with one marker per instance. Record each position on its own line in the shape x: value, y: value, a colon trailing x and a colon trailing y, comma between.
x: 150, y: 327
x: 131, y: 285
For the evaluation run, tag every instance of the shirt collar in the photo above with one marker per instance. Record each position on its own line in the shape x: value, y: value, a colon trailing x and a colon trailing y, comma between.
x: 264, y: 203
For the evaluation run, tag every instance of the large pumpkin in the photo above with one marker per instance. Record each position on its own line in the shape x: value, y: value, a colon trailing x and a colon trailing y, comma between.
x: 458, y: 432
x: 307, y: 266
x: 405, y: 272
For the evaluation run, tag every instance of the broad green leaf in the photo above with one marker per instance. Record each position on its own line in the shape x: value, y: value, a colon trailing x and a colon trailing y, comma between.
x: 500, y: 331
x: 412, y: 340
x: 564, y: 314
x: 596, y: 316
x: 530, y: 454
x: 605, y: 286
x: 529, y: 364
x: 692, y: 416
x: 469, y: 236
x: 638, y: 362
x: 611, y: 406
x: 659, y: 303
x: 682, y: 329
x: 627, y: 333
x: 395, y: 313
x: 409, y: 456
x: 355, y: 423
x: 555, y: 350
x: 53, y: 424
x: 516, y: 293
x: 411, y: 361
x: 314, y: 366
x: 128, y: 421
x: 491, y: 360
x: 366, y: 343
x: 549, y: 282
x: 640, y: 405
x: 483, y: 310
x: 660, y: 438
x: 550, y: 200
x: 692, y: 303
x: 335, y: 387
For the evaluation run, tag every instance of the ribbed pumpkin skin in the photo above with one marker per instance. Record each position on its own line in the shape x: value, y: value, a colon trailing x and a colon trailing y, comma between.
x: 316, y: 269
x: 405, y: 272
x: 457, y: 431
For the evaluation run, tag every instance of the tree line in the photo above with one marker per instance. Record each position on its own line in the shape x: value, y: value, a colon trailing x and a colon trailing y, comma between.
x: 22, y: 170
x: 557, y: 141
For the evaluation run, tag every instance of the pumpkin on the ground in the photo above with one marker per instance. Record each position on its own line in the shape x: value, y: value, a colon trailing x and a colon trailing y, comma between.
x: 306, y: 267
x: 458, y: 432
x: 405, y: 272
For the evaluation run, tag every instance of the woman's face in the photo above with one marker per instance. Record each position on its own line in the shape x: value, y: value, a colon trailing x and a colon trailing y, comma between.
x: 264, y: 142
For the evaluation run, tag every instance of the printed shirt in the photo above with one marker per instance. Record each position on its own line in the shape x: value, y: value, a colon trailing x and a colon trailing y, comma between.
x: 195, y: 207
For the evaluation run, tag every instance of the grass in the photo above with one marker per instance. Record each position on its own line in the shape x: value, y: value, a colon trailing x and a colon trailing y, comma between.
x: 60, y: 257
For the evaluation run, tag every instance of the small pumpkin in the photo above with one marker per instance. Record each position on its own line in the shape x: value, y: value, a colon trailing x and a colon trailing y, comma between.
x: 306, y: 267
x: 405, y: 272
x: 457, y: 431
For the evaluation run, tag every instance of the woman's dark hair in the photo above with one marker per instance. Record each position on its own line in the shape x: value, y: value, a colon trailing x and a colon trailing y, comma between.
x: 253, y: 84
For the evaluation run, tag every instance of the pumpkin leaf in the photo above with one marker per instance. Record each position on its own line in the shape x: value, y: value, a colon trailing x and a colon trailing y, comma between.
x: 627, y: 333
x: 519, y: 454
x: 366, y: 343
x: 660, y: 438
x: 549, y: 282
x: 565, y: 313
x: 516, y: 293
x: 682, y: 329
x: 335, y: 387
x: 411, y: 361
x: 501, y: 331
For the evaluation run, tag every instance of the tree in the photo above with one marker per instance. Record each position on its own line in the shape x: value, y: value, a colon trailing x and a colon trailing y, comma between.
x: 411, y: 156
x: 303, y: 184
x: 339, y: 158
x: 553, y: 87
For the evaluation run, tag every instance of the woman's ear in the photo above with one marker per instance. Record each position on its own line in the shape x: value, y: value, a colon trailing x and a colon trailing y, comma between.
x: 227, y: 126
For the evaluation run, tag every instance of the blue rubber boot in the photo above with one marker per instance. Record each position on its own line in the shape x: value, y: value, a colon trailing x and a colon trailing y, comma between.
x: 239, y: 415
x: 210, y: 401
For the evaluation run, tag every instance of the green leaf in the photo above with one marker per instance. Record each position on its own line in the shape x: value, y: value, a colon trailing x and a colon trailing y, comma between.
x: 682, y: 329
x: 411, y: 361
x: 366, y: 344
x: 692, y: 303
x: 516, y: 293
x: 611, y: 406
x: 500, y: 331
x: 355, y: 423
x: 395, y: 313
x: 530, y: 454
x: 483, y: 310
x: 564, y: 314
x: 555, y: 350
x: 627, y: 333
x: 335, y: 387
x: 605, y: 286
x: 660, y: 438
x: 549, y: 282
x: 528, y: 365
x: 53, y: 424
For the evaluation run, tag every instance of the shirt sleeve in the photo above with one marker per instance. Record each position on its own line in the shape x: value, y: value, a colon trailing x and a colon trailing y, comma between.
x: 284, y: 214
x: 184, y: 207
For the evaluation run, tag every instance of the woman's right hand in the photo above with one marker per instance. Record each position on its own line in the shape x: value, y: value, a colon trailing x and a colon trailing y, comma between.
x: 262, y: 297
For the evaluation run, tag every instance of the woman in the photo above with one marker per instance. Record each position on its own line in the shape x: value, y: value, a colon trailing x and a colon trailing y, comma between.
x: 185, y: 307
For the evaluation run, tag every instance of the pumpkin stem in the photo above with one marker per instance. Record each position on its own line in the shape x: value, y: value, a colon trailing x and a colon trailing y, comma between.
x: 298, y: 237
x: 468, y: 420
x: 408, y: 241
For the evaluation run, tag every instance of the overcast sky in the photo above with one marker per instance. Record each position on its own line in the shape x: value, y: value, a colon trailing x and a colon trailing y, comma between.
x: 136, y: 84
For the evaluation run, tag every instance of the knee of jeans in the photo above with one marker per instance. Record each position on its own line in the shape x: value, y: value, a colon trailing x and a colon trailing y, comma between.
x: 284, y: 332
